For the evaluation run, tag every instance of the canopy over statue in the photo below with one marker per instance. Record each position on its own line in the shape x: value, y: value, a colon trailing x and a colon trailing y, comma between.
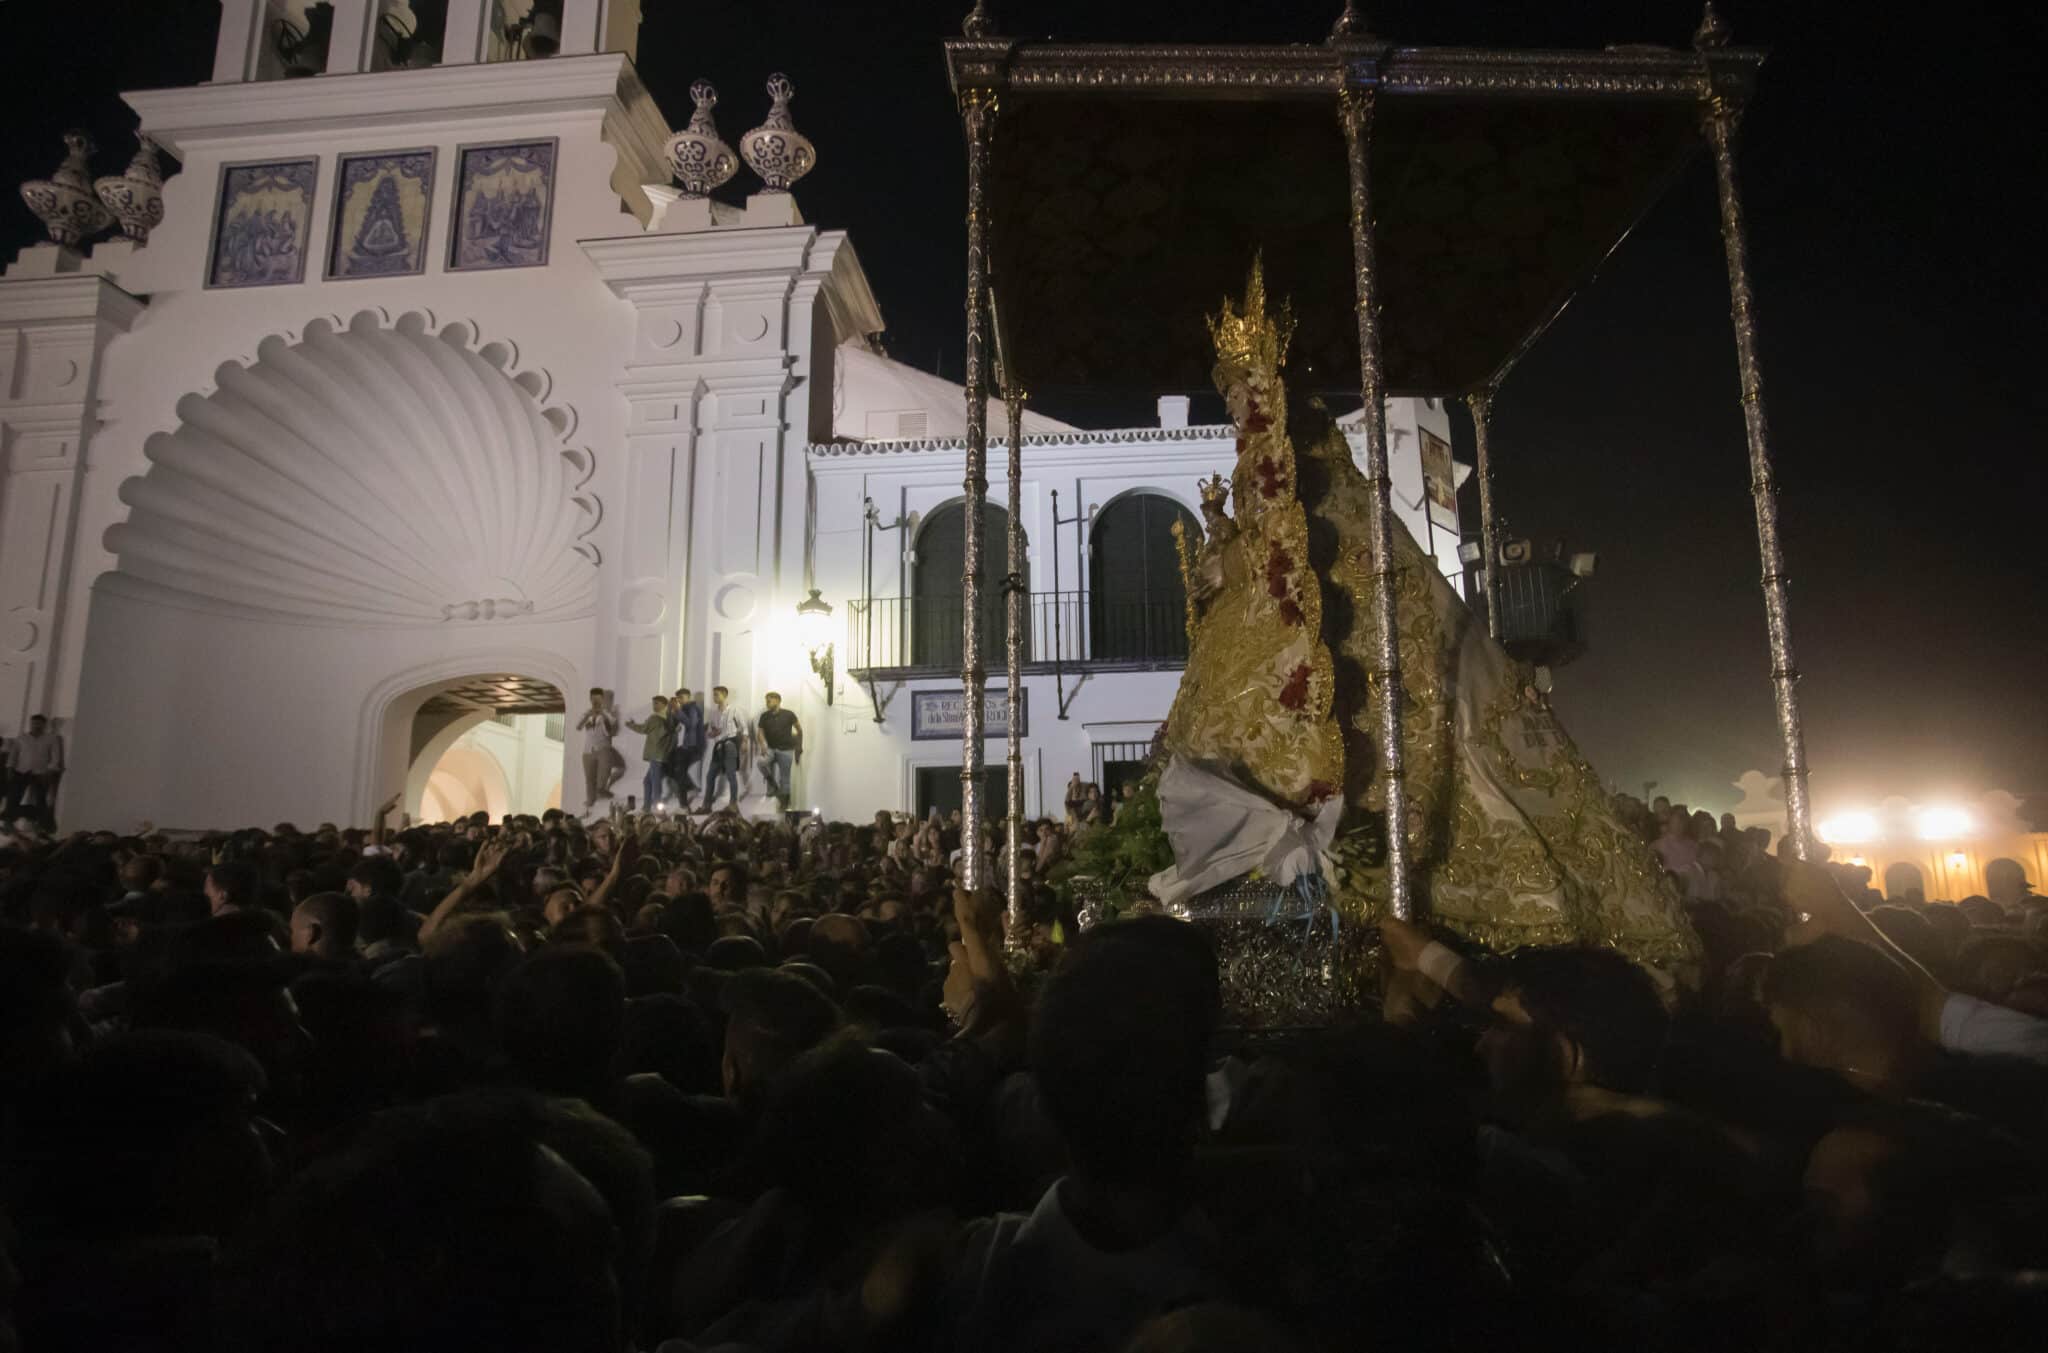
x: 1455, y: 199
x: 1512, y: 832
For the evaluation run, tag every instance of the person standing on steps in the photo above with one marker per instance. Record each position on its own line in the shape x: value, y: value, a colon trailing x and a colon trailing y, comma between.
x: 781, y: 744
x: 660, y: 735
x: 600, y: 723
x: 725, y: 731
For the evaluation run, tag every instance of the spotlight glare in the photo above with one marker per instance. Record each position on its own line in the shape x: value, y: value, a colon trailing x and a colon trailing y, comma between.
x: 1942, y: 822
x: 1849, y: 829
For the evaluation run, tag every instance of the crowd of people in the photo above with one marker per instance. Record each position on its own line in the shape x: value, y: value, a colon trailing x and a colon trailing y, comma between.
x: 680, y: 737
x: 676, y: 1082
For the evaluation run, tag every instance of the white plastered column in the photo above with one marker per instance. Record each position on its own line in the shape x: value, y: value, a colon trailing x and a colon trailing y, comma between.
x: 53, y: 332
x: 710, y: 556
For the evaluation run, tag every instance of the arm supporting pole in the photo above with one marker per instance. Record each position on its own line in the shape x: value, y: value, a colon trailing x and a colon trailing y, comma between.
x: 978, y: 113
x: 1719, y: 123
x: 1356, y: 109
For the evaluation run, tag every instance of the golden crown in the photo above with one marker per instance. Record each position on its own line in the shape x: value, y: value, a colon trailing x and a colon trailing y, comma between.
x: 1250, y: 337
x: 1214, y: 491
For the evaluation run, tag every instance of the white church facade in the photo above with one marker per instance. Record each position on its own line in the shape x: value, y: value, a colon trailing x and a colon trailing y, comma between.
x: 432, y: 403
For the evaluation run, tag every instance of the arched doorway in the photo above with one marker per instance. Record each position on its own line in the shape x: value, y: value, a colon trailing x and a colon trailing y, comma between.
x: 490, y: 743
x: 1137, y: 604
x: 937, y: 595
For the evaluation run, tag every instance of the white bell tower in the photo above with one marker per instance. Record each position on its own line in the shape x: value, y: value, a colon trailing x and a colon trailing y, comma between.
x: 360, y: 35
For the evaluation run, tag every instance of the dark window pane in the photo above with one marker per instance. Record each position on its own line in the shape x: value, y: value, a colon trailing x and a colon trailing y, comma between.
x: 1137, y: 606
x: 936, y: 608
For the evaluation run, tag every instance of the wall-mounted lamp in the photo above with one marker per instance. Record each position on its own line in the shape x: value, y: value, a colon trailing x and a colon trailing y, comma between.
x: 814, y: 631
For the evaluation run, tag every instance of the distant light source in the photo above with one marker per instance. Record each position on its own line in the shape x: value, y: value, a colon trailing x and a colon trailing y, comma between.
x: 1942, y: 822
x: 1849, y: 829
x: 814, y: 628
x: 1958, y: 860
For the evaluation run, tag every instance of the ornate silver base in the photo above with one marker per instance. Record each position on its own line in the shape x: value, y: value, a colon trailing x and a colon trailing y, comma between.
x: 1281, y: 960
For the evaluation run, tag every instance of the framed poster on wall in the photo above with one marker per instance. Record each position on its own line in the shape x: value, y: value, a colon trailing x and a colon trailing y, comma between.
x: 943, y: 714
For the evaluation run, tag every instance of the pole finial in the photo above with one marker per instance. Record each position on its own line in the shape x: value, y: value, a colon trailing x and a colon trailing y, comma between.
x: 1351, y: 23
x: 1712, y: 32
x: 978, y: 23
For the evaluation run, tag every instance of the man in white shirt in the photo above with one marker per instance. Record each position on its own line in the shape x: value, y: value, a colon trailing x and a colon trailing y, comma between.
x: 600, y: 723
x: 35, y: 762
x: 725, y: 732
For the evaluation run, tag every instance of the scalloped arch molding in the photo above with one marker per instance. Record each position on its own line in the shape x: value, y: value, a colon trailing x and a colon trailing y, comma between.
x: 384, y: 474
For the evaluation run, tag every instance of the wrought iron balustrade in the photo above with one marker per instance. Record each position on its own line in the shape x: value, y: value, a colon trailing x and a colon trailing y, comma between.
x: 919, y: 635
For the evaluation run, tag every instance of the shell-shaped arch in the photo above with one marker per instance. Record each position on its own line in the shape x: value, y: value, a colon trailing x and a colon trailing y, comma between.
x: 368, y: 474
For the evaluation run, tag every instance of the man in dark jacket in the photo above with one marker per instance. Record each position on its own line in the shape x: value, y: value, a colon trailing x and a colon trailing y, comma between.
x: 687, y: 718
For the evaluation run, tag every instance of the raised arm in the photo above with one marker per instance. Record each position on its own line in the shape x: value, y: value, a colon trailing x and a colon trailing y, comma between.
x: 1411, y: 950
x: 622, y: 859
x: 384, y: 810
x: 488, y: 857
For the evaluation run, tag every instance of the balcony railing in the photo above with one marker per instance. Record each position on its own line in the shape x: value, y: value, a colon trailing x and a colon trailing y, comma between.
x: 917, y: 635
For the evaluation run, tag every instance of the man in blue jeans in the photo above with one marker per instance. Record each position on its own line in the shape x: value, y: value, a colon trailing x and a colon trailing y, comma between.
x: 725, y: 731
x: 660, y: 737
x: 781, y: 744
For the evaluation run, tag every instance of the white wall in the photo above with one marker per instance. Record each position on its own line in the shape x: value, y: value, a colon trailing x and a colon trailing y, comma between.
x: 191, y: 718
x: 854, y: 765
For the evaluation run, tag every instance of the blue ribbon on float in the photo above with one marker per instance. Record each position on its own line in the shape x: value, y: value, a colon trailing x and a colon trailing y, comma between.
x: 1310, y: 889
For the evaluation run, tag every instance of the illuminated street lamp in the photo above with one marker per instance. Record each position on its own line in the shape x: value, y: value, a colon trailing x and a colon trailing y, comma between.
x: 814, y: 631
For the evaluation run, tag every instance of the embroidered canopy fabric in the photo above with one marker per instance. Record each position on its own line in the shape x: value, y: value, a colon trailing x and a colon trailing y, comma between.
x: 1129, y: 184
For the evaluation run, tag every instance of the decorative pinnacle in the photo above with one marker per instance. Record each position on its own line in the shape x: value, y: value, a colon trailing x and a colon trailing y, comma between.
x: 697, y: 157
x: 1712, y: 32
x: 776, y: 150
x: 1351, y: 23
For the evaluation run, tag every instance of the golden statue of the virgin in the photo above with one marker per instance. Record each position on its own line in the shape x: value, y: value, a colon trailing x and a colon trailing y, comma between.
x: 1513, y: 839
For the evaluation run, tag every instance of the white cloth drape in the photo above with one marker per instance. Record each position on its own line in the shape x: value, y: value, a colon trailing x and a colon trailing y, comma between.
x: 1221, y: 831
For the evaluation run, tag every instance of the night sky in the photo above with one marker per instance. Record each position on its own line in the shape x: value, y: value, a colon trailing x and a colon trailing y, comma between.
x: 1895, y: 233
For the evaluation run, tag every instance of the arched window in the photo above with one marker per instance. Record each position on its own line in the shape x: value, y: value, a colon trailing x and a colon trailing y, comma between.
x: 935, y: 581
x: 1137, y: 606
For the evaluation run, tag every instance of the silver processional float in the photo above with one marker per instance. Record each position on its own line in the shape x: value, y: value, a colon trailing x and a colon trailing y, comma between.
x: 1456, y: 198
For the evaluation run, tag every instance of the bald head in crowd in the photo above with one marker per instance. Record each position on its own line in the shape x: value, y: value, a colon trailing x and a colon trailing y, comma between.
x: 324, y: 925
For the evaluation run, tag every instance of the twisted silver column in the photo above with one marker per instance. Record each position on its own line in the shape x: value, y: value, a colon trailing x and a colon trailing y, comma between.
x: 1481, y: 403
x: 1013, y: 658
x: 1355, y: 108
x: 1719, y: 123
x: 978, y: 113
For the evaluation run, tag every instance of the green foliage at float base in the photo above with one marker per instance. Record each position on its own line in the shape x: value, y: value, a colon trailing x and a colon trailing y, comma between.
x: 1109, y: 865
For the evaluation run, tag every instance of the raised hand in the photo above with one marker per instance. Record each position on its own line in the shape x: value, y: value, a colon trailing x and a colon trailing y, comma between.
x: 488, y: 857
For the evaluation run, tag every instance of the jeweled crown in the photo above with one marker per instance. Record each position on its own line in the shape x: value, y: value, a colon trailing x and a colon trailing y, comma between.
x: 1214, y: 491
x: 1251, y: 337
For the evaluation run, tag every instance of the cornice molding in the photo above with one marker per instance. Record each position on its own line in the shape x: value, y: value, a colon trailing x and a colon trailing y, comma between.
x: 198, y: 116
x: 629, y: 262
x: 80, y: 297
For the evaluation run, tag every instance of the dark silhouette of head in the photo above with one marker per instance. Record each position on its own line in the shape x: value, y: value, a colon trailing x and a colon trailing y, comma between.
x: 562, y: 1021
x: 1119, y: 1047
